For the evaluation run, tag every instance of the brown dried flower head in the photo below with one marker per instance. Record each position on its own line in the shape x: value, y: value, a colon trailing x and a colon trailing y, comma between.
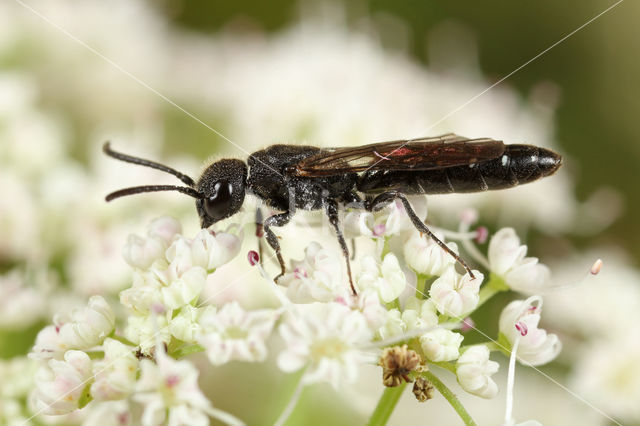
x: 397, y: 362
x: 423, y: 389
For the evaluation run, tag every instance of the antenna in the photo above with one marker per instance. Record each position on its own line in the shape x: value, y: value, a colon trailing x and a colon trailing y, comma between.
x: 153, y: 188
x: 106, y: 148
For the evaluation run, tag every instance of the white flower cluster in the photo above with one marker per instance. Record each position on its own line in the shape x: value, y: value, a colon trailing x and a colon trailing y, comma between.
x: 169, y: 274
x: 330, y: 335
x: 328, y: 332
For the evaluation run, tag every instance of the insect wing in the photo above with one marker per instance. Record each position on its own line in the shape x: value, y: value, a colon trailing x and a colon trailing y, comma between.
x: 410, y: 154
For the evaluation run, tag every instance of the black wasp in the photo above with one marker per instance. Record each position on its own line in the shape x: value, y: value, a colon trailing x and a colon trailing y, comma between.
x: 292, y: 177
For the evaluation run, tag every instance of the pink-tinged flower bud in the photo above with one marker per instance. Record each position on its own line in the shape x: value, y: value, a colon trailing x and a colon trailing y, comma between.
x: 518, y: 321
x: 60, y: 386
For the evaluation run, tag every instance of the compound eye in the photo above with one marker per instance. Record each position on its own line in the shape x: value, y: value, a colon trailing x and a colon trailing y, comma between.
x: 218, y: 204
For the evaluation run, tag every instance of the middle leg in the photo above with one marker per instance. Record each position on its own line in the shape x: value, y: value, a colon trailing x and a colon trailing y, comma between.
x: 331, y: 208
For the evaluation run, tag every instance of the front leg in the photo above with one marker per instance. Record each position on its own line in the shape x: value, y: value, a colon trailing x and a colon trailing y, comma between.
x: 331, y: 208
x: 279, y: 219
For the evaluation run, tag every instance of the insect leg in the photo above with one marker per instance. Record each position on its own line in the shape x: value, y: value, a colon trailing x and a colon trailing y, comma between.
x: 331, y: 208
x: 259, y: 231
x: 386, y: 197
x: 353, y: 201
x: 280, y: 219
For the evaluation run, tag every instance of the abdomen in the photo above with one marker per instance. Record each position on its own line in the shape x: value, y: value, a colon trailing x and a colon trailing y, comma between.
x: 518, y: 165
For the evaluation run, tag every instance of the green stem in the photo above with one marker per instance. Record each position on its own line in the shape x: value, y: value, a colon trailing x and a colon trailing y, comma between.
x: 186, y: 350
x: 490, y: 289
x: 446, y: 365
x: 121, y: 339
x: 386, y: 405
x: 449, y: 396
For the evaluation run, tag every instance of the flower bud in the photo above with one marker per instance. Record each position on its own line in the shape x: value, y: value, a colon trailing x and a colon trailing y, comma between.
x: 426, y: 257
x: 507, y: 259
x: 60, y: 386
x: 115, y: 374
x: 88, y: 326
x: 536, y: 345
x: 454, y: 294
x: 441, y: 344
x: 387, y: 278
x: 474, y: 371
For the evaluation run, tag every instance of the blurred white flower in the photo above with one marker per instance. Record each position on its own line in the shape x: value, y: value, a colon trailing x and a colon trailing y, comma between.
x: 474, y: 370
x: 61, y: 384
x: 11, y: 413
x: 610, y: 300
x: 607, y: 373
x: 186, y: 326
x: 386, y: 277
x: 441, y: 344
x: 417, y: 314
x: 520, y: 319
x: 207, y: 250
x: 109, y: 413
x: 146, y: 330
x: 143, y: 293
x: 142, y: 252
x: 317, y: 277
x: 326, y: 338
x: 165, y: 228
x: 20, y: 304
x: 170, y: 387
x: 235, y: 334
x: 20, y: 226
x: 507, y: 259
x: 115, y: 374
x: 456, y: 295
x: 368, y: 304
x: 180, y: 290
x: 426, y: 257
x: 393, y: 324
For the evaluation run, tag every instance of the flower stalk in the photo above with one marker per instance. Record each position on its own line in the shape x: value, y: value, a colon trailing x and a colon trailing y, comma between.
x: 450, y: 397
x: 386, y: 404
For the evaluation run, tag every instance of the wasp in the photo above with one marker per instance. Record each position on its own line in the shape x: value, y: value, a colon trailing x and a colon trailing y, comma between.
x: 288, y: 178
